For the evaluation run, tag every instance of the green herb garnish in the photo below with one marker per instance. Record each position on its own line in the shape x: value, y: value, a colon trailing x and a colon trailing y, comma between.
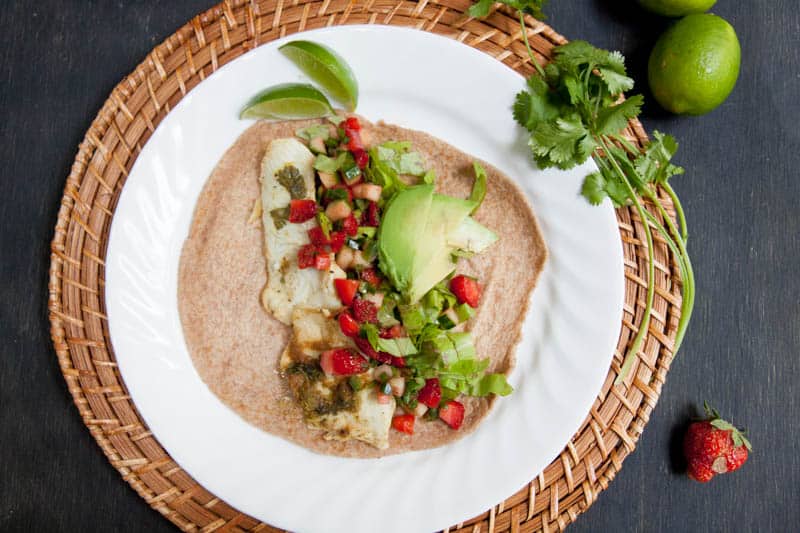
x: 291, y: 179
x: 573, y: 110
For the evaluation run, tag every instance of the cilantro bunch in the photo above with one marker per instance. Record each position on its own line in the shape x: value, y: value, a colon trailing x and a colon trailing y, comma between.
x: 574, y: 109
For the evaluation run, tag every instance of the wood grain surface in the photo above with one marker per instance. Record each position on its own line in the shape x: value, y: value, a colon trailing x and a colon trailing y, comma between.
x: 60, y: 60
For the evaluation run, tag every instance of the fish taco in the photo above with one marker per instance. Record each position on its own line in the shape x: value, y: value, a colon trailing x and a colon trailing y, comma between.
x: 356, y: 288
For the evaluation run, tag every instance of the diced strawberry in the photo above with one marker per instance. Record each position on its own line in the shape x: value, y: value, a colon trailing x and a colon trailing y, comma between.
x: 317, y: 237
x: 370, y: 217
x: 337, y: 241
x: 346, y: 289
x: 322, y: 261
x: 364, y: 311
x: 348, y: 324
x: 354, y: 143
x: 342, y: 362
x: 371, y: 276
x: 352, y: 123
x: 431, y: 393
x: 404, y: 423
x: 452, y: 413
x: 302, y: 210
x: 466, y: 290
x: 350, y: 225
x: 361, y: 157
x: 399, y: 362
x: 393, y: 332
x: 307, y: 256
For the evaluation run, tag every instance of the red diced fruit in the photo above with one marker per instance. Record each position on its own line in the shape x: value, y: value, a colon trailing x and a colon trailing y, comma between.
x: 342, y: 362
x: 346, y: 289
x: 352, y: 123
x: 317, y: 237
x: 466, y: 290
x: 404, y: 424
x: 302, y: 210
x: 393, y: 332
x: 322, y: 261
x: 370, y: 216
x: 431, y: 393
x: 307, y: 256
x: 364, y: 311
x: 452, y: 413
x: 361, y: 157
x: 337, y: 241
x: 350, y: 225
x: 348, y: 324
x: 371, y: 276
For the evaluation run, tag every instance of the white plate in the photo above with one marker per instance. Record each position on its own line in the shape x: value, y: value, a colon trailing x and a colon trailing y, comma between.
x: 418, y: 80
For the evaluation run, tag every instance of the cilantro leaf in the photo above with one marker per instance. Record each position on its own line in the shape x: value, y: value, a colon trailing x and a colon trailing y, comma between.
x: 564, y: 143
x: 612, y: 120
x: 535, y: 105
x: 654, y: 163
x: 533, y: 7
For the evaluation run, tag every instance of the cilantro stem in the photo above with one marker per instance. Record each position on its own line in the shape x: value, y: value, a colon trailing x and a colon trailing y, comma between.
x: 535, y: 63
x: 687, y: 272
x: 678, y: 210
x: 627, y: 363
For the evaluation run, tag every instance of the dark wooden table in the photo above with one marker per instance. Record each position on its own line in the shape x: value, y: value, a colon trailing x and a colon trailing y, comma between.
x: 61, y: 58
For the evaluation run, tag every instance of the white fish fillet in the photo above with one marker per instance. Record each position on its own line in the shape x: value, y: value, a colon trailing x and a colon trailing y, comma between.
x: 371, y: 420
x: 289, y: 286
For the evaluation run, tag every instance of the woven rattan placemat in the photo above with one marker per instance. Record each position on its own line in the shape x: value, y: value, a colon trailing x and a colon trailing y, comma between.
x: 553, y: 499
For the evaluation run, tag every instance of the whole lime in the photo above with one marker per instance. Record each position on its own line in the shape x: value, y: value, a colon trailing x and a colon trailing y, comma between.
x: 695, y: 64
x: 677, y: 8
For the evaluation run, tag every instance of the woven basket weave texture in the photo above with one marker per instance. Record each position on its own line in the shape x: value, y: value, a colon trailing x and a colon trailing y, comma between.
x: 552, y: 500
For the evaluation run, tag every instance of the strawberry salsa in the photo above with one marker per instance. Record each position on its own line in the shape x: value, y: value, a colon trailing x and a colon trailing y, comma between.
x: 414, y: 351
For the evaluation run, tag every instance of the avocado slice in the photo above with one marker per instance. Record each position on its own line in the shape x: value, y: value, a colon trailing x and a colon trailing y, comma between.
x: 471, y: 236
x: 401, y: 234
x: 418, y: 234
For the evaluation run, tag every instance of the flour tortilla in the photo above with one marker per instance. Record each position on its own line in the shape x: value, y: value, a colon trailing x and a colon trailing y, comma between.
x: 235, y: 344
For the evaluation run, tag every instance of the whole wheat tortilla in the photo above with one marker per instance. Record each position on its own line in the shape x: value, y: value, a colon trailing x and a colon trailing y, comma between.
x: 235, y: 344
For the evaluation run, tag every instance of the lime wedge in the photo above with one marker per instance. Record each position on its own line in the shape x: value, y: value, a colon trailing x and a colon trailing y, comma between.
x: 325, y: 67
x: 288, y: 101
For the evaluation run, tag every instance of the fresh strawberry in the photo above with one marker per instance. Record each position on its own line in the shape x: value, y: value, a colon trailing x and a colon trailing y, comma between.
x: 337, y: 241
x: 350, y: 225
x: 322, y: 261
x: 346, y: 289
x: 371, y: 276
x: 404, y: 423
x: 361, y: 156
x: 393, y: 332
x: 348, y: 324
x: 370, y: 217
x: 342, y: 362
x: 364, y: 311
x: 302, y: 210
x: 714, y: 446
x: 352, y: 123
x: 452, y: 413
x: 430, y: 394
x: 466, y: 290
x: 307, y: 256
x: 317, y: 237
